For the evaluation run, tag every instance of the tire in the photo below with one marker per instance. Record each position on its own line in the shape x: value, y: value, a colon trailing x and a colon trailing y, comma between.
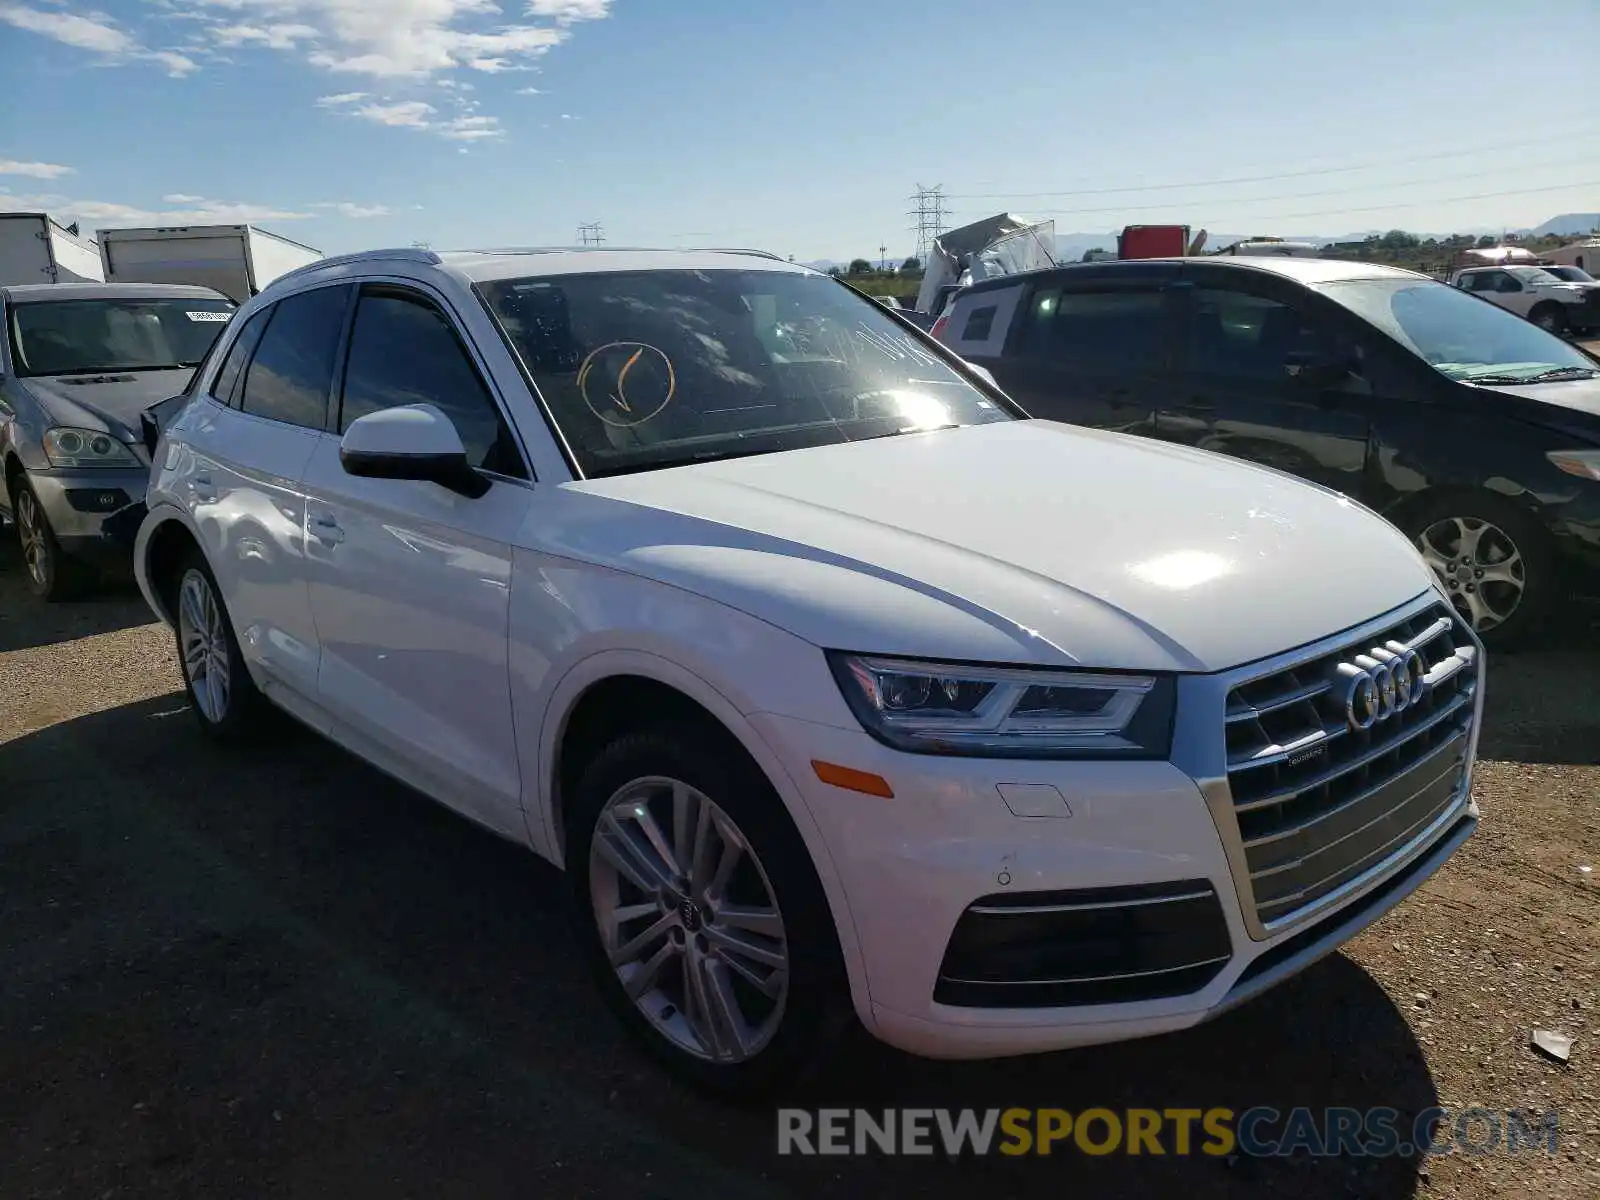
x: 682, y: 930
x: 221, y: 693
x: 1550, y: 318
x: 1494, y: 562
x: 49, y: 572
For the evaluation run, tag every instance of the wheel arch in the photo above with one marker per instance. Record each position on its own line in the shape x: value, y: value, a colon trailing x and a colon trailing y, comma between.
x: 161, y: 545
x: 576, y: 716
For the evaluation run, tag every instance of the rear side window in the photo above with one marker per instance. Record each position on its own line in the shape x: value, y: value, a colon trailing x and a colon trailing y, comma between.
x: 1108, y: 331
x: 980, y: 324
x: 225, y: 386
x: 290, y: 376
x: 403, y: 350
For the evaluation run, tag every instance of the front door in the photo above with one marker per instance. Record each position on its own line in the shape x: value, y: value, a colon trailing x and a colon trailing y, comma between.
x: 409, y: 581
x: 1240, y: 389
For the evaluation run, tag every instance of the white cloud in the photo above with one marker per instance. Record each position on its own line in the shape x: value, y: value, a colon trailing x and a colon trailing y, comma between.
x: 358, y: 212
x: 530, y: 91
x: 197, y: 211
x: 274, y: 37
x: 35, y: 170
x: 412, y: 114
x: 566, y: 11
x: 182, y: 198
x: 471, y: 129
x: 97, y: 33
x: 340, y: 98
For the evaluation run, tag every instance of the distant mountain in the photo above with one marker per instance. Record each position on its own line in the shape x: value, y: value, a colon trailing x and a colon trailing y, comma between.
x: 1568, y: 224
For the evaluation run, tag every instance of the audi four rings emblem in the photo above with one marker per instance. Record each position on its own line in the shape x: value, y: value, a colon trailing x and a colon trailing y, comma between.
x: 1380, y: 684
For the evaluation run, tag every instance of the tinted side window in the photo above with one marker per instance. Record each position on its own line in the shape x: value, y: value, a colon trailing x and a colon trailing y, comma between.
x: 403, y: 350
x: 292, y: 371
x: 980, y: 324
x: 1115, y: 331
x: 1246, y: 336
x: 225, y: 386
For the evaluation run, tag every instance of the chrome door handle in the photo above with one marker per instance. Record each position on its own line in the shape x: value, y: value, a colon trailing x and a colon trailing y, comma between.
x: 326, y: 529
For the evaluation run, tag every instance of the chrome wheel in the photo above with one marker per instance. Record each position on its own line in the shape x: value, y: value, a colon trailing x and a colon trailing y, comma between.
x: 35, y: 535
x: 689, y: 920
x: 1479, y: 566
x: 203, y: 637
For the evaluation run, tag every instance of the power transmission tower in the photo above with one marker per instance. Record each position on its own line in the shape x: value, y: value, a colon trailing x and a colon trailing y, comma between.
x: 590, y: 235
x: 927, y: 217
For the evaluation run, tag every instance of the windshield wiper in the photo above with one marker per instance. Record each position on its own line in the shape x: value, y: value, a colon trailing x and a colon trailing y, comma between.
x: 1551, y: 376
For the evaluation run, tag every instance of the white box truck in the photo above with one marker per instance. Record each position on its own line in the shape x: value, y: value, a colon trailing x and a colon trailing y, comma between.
x: 236, y: 260
x: 36, y: 249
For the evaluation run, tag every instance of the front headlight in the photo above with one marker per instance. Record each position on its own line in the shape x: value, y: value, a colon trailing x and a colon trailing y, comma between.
x: 1007, y: 712
x: 1585, y: 464
x: 86, y: 448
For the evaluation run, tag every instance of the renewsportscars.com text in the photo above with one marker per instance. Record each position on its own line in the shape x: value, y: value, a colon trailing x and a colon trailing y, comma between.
x: 1260, y: 1132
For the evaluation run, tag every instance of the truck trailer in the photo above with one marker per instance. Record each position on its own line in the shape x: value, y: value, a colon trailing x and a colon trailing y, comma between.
x: 34, y: 248
x: 236, y: 260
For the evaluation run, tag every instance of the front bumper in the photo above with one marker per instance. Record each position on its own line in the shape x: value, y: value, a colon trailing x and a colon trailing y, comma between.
x: 916, y: 867
x: 95, y: 514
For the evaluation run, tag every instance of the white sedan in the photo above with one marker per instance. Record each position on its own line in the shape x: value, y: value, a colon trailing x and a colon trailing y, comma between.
x: 834, y: 683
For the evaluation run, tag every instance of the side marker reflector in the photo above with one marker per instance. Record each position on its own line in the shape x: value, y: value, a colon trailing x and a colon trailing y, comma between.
x: 852, y: 780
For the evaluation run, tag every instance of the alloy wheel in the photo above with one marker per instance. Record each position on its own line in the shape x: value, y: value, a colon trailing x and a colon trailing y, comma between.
x: 1479, y: 566
x: 33, y: 531
x: 203, y: 637
x: 689, y: 920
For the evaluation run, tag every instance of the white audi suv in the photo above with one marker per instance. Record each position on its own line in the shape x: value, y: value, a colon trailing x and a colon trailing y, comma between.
x: 832, y: 681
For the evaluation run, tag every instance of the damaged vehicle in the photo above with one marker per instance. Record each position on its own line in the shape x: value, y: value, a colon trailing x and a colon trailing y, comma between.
x: 78, y: 365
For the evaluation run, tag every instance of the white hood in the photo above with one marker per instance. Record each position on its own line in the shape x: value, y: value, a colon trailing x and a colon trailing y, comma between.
x: 1026, y: 541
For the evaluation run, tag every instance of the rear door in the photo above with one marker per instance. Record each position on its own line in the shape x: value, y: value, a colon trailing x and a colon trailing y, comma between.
x: 1246, y: 337
x: 250, y: 439
x: 1092, y: 346
x: 410, y: 582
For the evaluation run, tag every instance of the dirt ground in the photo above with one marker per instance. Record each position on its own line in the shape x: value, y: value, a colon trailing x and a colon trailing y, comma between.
x: 276, y: 973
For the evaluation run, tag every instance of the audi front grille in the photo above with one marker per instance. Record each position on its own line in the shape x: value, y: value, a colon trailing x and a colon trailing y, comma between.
x: 1340, y: 761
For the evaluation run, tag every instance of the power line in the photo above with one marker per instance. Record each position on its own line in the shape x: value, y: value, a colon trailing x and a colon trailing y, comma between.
x: 1247, y: 200
x: 927, y: 215
x: 1168, y: 187
x: 1334, y: 212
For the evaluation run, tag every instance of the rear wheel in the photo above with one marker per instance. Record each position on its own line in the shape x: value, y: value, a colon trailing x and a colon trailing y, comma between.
x: 221, y: 692
x: 708, y: 929
x: 51, y: 573
x: 1493, y: 561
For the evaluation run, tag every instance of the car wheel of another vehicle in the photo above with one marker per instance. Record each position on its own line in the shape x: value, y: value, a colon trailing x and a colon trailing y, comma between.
x: 1494, y: 563
x: 706, y: 922
x: 1550, y: 318
x: 221, y: 692
x: 51, y: 574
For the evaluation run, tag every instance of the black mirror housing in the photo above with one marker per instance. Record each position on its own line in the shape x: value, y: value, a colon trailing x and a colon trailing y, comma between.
x: 449, y: 471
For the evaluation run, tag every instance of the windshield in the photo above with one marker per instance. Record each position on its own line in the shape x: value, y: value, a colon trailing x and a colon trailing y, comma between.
x: 1570, y: 274
x: 653, y: 369
x: 85, y: 337
x: 1459, y: 335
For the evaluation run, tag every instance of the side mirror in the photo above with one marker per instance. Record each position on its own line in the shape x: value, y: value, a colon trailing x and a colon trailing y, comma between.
x: 413, y: 441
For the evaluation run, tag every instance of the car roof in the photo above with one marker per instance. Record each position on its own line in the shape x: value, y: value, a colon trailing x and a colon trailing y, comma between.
x: 24, y: 293
x: 486, y: 265
x: 1303, y: 270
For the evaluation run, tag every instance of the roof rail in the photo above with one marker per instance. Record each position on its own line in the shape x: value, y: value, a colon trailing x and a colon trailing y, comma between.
x: 740, y: 250
x: 402, y: 254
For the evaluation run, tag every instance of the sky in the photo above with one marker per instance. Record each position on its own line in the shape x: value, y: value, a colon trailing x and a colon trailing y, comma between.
x: 798, y: 128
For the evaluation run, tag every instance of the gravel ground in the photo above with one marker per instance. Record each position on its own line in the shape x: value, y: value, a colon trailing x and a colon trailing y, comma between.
x: 276, y: 973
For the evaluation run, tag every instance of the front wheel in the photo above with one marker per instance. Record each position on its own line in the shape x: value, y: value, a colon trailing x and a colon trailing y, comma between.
x: 51, y: 573
x: 1495, y: 564
x: 1550, y: 318
x: 708, y: 928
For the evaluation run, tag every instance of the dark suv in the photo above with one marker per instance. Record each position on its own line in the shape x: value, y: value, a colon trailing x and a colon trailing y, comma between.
x: 1473, y: 430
